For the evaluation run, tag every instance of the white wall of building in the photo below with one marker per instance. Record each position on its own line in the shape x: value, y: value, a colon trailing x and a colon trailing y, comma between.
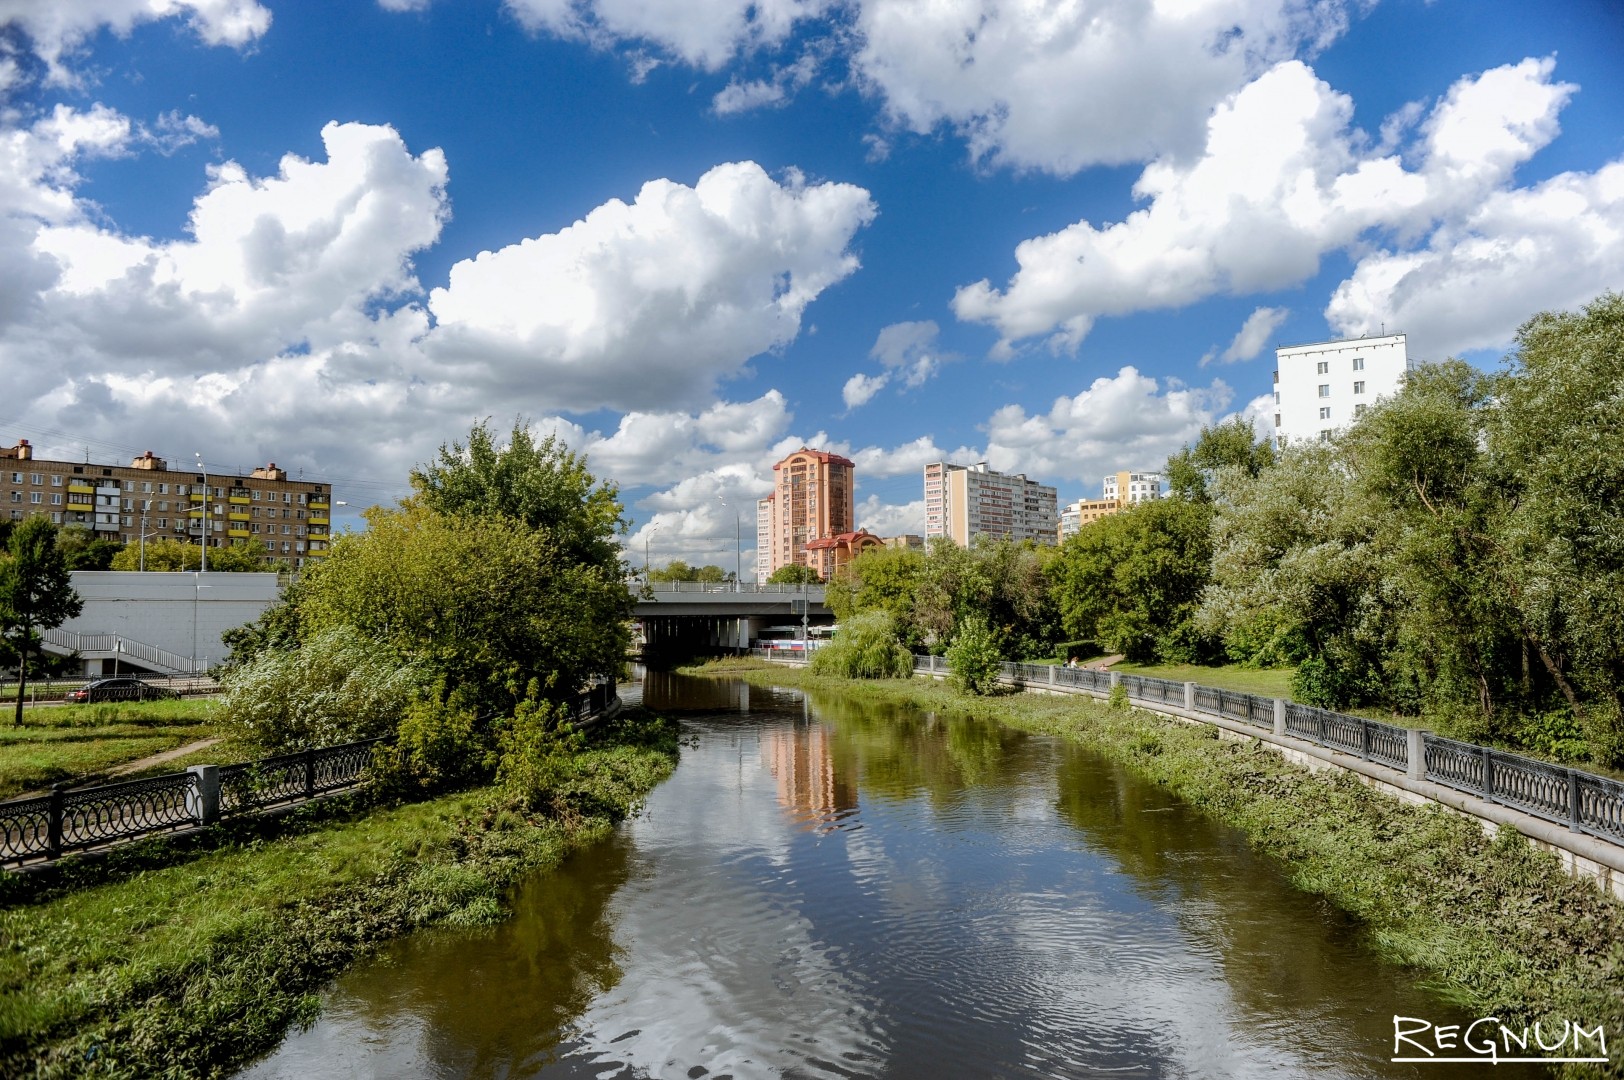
x: 172, y: 610
x: 1324, y: 387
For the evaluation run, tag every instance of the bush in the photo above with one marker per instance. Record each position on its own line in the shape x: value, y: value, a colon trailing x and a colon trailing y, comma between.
x: 336, y: 687
x: 536, y: 756
x: 867, y: 647
x: 439, y: 745
x: 973, y: 657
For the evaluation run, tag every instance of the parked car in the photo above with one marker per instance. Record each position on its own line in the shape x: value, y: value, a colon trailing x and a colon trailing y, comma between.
x: 119, y: 688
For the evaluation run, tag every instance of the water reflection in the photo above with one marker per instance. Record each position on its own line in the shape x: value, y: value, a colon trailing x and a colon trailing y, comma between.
x: 836, y: 887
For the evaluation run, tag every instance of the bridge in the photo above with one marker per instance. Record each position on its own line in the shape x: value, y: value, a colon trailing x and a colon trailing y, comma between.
x: 700, y: 616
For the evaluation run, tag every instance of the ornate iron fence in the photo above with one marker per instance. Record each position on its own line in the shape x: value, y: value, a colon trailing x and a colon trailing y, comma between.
x: 52, y: 825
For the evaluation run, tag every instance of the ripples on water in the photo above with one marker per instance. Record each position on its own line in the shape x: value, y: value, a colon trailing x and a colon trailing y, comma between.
x: 849, y: 891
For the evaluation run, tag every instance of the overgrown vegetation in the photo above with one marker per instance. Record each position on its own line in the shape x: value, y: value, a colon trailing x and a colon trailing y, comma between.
x: 176, y: 960
x: 865, y: 648
x: 1493, y: 923
x: 494, y: 592
x: 1455, y: 555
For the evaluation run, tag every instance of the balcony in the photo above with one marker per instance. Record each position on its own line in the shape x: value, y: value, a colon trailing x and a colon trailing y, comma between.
x: 318, y: 521
x: 237, y: 534
x: 236, y: 515
x: 81, y: 489
x: 318, y: 504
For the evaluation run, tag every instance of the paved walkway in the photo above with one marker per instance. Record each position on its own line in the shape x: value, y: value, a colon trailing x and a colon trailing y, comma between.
x: 159, y: 759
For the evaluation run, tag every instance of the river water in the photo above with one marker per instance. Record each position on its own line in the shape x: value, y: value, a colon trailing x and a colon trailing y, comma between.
x: 833, y: 888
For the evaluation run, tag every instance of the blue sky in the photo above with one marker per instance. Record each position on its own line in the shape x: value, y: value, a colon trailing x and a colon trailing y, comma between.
x: 690, y: 237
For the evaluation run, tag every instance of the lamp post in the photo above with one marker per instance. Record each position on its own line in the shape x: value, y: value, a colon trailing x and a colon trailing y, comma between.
x: 738, y: 544
x: 650, y: 531
x: 204, y: 558
x: 146, y: 504
x: 197, y: 594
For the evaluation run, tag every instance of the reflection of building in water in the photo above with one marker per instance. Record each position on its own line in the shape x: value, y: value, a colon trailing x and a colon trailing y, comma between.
x: 801, y: 759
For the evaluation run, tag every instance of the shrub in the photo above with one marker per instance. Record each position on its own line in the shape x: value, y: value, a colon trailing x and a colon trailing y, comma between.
x: 867, y: 647
x: 536, y: 754
x: 336, y: 687
x: 439, y: 744
x: 973, y: 657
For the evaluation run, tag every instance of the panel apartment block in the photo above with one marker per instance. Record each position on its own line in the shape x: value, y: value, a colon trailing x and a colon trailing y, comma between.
x: 287, y: 521
x: 965, y: 501
x: 1322, y: 387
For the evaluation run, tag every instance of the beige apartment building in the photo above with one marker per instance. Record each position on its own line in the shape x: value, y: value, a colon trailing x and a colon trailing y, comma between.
x: 965, y: 501
x: 288, y: 521
x: 1121, y: 489
x: 812, y: 499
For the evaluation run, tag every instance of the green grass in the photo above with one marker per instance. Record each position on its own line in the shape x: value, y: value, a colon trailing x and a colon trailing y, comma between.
x: 79, y: 743
x: 171, y: 961
x: 1267, y: 682
x: 1493, y: 924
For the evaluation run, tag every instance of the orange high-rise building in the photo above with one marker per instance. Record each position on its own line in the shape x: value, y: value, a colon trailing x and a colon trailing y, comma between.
x: 812, y: 499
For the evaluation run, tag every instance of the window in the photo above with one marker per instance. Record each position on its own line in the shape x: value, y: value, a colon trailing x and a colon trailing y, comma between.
x: 1322, y: 368
x: 1358, y: 410
x: 163, y: 489
x: 1325, y: 436
x: 180, y: 489
x: 34, y: 497
x: 1325, y: 413
x: 56, y: 481
x: 16, y: 515
x: 1277, y: 397
x: 1358, y: 363
x: 56, y: 498
x: 56, y: 518
x: 256, y: 494
x: 126, y: 504
x: 163, y: 523
x: 16, y: 478
x: 129, y: 485
x: 126, y: 521
x: 16, y: 496
x: 146, y: 487
x: 1358, y: 387
x: 35, y: 478
x: 1325, y: 390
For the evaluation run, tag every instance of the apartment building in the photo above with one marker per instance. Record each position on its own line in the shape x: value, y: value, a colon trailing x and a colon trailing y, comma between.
x: 1120, y: 489
x: 289, y: 521
x: 965, y: 501
x: 812, y: 499
x: 1321, y: 387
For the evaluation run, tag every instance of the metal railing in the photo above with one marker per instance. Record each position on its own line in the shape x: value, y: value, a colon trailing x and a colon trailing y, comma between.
x: 1582, y: 801
x: 116, y: 645
x: 776, y: 588
x: 46, y: 827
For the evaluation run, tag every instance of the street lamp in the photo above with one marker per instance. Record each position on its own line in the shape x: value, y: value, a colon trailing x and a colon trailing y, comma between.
x: 650, y: 531
x: 146, y: 504
x: 738, y: 545
x: 204, y: 563
x: 197, y: 594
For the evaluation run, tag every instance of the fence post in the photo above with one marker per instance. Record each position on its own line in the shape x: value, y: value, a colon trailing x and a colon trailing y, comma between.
x: 1415, y: 754
x: 1116, y: 679
x: 1220, y: 702
x: 1189, y: 697
x: 53, y: 826
x: 205, y: 804
x: 1052, y: 669
x: 1364, y: 738
x: 1488, y: 772
x: 310, y: 773
x: 1279, y: 716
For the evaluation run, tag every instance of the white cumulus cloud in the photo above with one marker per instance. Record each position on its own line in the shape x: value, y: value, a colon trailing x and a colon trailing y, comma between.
x: 55, y: 28
x: 651, y: 301
x: 703, y: 33
x: 1251, y: 337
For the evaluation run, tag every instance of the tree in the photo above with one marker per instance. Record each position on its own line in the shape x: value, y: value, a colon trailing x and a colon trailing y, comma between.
x: 1231, y: 445
x: 82, y: 550
x: 881, y: 579
x: 1133, y: 581
x: 794, y: 574
x: 169, y: 555
x: 677, y: 570
x: 866, y: 647
x: 541, y: 484
x: 35, y: 591
x: 973, y: 657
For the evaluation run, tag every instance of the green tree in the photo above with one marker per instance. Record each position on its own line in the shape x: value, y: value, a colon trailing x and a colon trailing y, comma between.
x: 1133, y: 581
x: 171, y: 555
x: 866, y: 647
x: 82, y: 550
x: 542, y: 484
x: 677, y: 570
x: 794, y: 574
x: 36, y: 592
x: 881, y: 579
x: 974, y: 655
x: 1231, y: 445
x: 484, y: 604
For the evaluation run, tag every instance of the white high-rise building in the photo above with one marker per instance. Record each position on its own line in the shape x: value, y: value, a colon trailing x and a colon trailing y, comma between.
x: 1325, y: 386
x: 962, y: 502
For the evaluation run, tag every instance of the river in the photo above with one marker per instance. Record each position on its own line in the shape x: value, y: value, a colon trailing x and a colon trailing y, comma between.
x: 834, y: 888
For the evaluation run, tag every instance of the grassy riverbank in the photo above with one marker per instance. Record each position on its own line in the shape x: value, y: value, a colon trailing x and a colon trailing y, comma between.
x: 169, y: 960
x: 1492, y: 924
